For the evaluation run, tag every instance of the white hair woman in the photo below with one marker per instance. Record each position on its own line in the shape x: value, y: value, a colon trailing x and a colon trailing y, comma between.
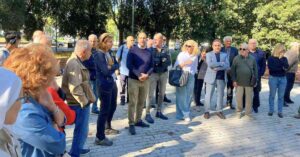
x: 187, y: 60
x: 10, y: 91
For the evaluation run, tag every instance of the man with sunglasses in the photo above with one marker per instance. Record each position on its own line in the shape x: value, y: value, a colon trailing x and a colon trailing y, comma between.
x: 12, y: 40
x: 231, y: 53
x: 242, y: 69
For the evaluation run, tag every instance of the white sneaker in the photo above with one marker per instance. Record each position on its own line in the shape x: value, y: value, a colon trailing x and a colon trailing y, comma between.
x: 188, y: 119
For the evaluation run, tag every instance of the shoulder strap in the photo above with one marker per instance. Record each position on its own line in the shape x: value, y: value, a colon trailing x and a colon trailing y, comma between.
x: 121, y: 53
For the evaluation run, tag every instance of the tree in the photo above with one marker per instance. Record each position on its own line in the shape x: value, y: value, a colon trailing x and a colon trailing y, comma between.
x: 79, y: 18
x: 278, y: 21
x: 12, y: 14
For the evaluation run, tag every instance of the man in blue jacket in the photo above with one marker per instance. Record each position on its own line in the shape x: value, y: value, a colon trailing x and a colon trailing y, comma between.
x: 90, y: 65
x: 231, y: 53
x: 260, y: 58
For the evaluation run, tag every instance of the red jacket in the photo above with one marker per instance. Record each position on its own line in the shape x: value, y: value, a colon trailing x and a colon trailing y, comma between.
x: 70, y: 114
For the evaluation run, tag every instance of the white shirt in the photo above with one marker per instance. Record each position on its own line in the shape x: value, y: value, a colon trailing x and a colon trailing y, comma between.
x: 184, y: 56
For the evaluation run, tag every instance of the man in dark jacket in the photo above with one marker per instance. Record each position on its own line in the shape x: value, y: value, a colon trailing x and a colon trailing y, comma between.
x: 231, y: 52
x: 90, y: 65
x: 260, y: 58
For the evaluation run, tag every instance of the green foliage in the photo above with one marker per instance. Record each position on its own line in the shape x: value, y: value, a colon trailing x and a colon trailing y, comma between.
x: 12, y: 14
x: 78, y: 17
x: 277, y: 22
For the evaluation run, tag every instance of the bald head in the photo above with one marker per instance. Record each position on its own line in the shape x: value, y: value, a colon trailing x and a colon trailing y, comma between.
x: 83, y: 49
x: 93, y: 41
x: 37, y: 34
x: 252, y: 44
x: 44, y: 39
x: 129, y: 41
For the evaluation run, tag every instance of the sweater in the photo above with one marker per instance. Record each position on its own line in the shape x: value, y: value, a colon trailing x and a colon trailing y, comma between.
x: 241, y: 72
x: 277, y: 66
x: 139, y: 61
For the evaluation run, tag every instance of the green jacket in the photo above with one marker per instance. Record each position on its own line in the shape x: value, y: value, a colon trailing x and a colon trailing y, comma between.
x: 241, y: 72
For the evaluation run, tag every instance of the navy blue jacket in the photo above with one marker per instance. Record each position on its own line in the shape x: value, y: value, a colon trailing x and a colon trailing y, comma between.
x: 161, y: 60
x: 233, y: 52
x: 277, y: 67
x: 90, y: 65
x: 139, y: 61
x: 260, y: 58
x: 103, y: 74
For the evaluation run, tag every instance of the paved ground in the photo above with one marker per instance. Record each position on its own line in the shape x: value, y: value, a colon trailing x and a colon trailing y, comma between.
x: 263, y: 136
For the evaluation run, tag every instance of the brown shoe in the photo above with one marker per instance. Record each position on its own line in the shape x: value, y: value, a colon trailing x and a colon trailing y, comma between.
x: 111, y: 132
x: 206, y: 115
x: 221, y: 115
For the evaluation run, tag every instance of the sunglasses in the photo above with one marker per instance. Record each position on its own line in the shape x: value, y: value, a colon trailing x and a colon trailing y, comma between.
x: 189, y: 46
x: 243, y: 49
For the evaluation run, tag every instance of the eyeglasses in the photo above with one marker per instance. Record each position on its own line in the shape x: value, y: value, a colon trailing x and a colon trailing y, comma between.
x: 189, y: 46
x: 243, y: 49
x: 23, y: 99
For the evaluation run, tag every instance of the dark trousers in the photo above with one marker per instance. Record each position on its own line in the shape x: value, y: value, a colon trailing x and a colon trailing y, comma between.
x: 108, y: 107
x: 229, y: 89
x: 124, y: 88
x: 197, y: 90
x: 256, y: 90
x: 290, y: 78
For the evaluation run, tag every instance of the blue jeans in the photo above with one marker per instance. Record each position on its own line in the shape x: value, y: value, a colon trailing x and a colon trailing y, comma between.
x: 81, y: 130
x: 184, y: 97
x: 276, y: 84
x: 210, y: 89
x: 95, y: 90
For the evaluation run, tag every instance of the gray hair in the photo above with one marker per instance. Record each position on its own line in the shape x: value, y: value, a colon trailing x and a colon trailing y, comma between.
x: 295, y: 46
x: 244, y: 45
x: 92, y: 36
x: 158, y: 35
x: 81, y: 46
x: 227, y: 38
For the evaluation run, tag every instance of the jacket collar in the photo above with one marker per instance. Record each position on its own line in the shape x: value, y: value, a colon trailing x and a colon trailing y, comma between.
x: 74, y: 56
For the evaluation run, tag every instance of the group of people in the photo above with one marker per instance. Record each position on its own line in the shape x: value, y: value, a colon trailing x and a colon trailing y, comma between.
x: 35, y: 109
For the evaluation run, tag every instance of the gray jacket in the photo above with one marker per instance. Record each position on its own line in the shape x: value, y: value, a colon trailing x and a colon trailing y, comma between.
x: 293, y: 61
x: 202, y: 70
x: 213, y: 66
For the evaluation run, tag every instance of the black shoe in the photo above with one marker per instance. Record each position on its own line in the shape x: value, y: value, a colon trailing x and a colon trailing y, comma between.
x: 122, y: 103
x: 153, y: 106
x: 270, y: 114
x: 85, y: 151
x: 232, y: 107
x: 149, y: 119
x: 280, y: 115
x: 285, y: 105
x: 161, y: 116
x: 131, y: 129
x: 142, y: 124
x: 255, y: 110
x: 104, y: 142
x: 167, y: 100
x: 289, y: 101
x: 199, y: 104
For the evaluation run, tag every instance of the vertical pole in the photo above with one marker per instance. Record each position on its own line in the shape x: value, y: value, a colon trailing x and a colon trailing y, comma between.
x: 132, y: 18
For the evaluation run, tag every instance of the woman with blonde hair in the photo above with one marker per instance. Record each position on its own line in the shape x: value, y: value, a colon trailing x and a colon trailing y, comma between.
x: 39, y: 119
x: 187, y: 61
x: 278, y: 65
x: 107, y: 89
x: 292, y: 56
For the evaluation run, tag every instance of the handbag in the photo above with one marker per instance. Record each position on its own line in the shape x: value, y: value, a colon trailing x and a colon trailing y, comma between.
x: 178, y: 77
x: 253, y: 79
